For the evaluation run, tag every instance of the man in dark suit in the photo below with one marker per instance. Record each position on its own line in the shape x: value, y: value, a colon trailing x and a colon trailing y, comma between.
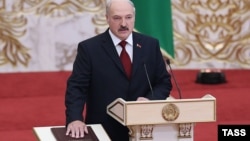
x: 99, y: 77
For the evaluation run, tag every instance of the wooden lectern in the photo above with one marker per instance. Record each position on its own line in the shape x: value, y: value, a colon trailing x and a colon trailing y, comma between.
x: 158, y: 120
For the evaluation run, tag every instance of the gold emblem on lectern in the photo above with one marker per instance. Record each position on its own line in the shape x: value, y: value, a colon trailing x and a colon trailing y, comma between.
x: 170, y: 112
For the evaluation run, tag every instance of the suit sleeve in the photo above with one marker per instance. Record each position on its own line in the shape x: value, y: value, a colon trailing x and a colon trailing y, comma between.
x: 77, y: 85
x: 159, y: 76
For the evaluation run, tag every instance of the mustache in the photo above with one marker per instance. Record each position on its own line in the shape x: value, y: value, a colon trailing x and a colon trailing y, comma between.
x: 122, y: 28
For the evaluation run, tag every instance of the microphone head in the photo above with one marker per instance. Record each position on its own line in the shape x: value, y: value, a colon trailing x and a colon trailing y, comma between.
x: 168, y: 61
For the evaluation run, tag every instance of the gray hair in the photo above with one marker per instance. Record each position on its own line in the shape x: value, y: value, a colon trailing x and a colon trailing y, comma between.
x: 109, y: 2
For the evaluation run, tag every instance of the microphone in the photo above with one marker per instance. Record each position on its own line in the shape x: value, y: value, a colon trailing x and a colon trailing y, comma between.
x: 149, y: 83
x: 177, y: 86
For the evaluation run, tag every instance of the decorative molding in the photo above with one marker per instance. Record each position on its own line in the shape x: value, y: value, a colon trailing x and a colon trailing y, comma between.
x: 210, y: 31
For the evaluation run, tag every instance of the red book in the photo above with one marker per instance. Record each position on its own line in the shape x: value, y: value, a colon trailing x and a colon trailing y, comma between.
x: 60, y: 135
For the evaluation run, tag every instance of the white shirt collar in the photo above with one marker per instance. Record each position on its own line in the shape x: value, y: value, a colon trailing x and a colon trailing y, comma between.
x: 116, y: 40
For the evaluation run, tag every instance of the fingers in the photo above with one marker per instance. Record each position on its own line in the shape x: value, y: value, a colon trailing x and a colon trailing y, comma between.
x: 142, y: 99
x: 86, y: 130
x: 76, y: 129
x: 67, y: 131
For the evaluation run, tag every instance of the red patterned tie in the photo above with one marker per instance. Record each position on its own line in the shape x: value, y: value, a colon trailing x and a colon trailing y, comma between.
x: 125, y: 59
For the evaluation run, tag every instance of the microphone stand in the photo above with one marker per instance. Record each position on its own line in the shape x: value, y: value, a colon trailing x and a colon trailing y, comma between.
x: 177, y: 86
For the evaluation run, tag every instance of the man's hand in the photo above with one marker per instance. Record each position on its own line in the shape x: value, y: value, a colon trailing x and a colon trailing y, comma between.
x: 142, y: 99
x: 76, y: 129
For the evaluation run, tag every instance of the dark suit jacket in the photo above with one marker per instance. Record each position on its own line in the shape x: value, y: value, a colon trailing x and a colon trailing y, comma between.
x: 98, y: 78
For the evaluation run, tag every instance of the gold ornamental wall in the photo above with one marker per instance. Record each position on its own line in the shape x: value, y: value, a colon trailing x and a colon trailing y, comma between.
x: 212, y: 33
x: 42, y: 35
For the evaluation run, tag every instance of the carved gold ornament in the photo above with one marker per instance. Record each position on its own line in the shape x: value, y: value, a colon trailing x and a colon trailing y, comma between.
x: 15, y: 24
x: 146, y: 132
x: 170, y: 112
x: 12, y: 51
x: 205, y: 31
x: 132, y: 131
x: 185, y: 130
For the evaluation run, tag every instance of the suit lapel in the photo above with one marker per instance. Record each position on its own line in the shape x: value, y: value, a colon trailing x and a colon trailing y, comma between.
x: 109, y: 48
x: 137, y: 52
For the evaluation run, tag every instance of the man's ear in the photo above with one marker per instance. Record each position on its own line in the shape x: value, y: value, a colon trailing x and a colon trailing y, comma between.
x: 106, y: 17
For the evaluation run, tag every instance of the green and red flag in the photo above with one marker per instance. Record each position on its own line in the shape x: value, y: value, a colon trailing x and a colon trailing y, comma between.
x: 154, y: 17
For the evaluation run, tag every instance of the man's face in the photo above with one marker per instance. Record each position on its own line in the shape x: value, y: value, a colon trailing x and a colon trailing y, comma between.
x: 121, y: 18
